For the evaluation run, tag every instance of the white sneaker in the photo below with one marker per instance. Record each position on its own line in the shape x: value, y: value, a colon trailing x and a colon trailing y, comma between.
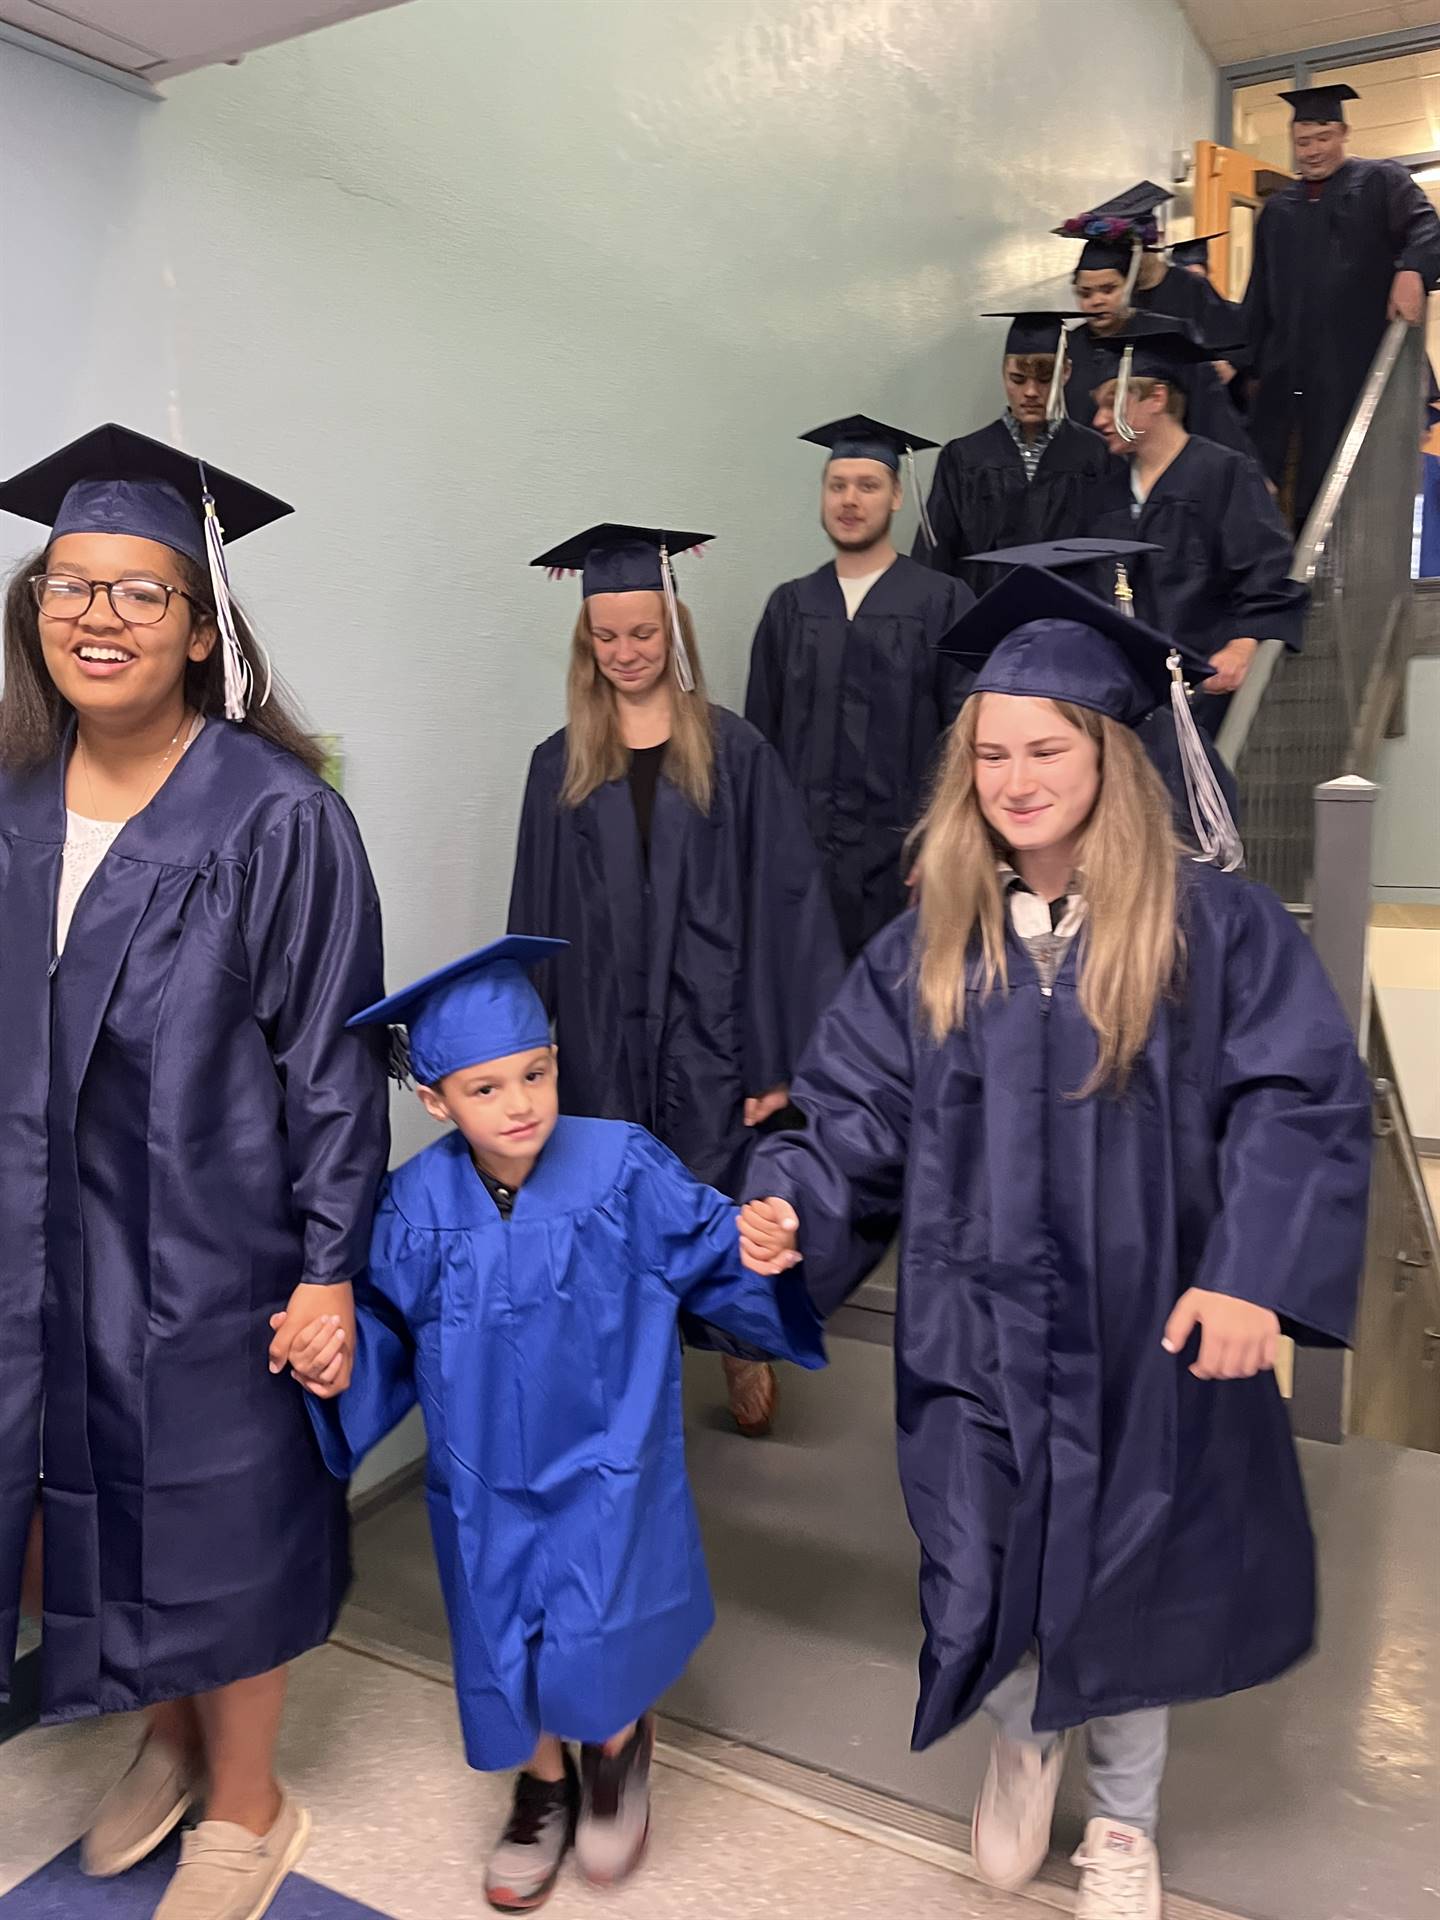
x: 1011, y: 1833
x: 1119, y: 1874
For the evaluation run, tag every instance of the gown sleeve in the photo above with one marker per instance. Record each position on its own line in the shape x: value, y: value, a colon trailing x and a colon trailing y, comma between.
x: 844, y: 1174
x: 793, y: 958
x: 1296, y: 1133
x: 312, y: 933
x: 1414, y: 226
x: 953, y: 678
x: 382, y: 1387
x: 765, y: 690
x: 532, y: 888
x: 687, y: 1232
x: 1257, y: 552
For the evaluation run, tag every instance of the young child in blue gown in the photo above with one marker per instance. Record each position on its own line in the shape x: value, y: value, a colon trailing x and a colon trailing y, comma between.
x: 526, y: 1275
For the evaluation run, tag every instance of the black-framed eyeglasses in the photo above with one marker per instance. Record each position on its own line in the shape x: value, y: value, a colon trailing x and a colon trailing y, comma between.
x: 139, y: 603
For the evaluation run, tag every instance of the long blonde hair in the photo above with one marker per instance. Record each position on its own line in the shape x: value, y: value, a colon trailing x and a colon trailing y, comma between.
x: 594, y: 751
x: 1130, y: 943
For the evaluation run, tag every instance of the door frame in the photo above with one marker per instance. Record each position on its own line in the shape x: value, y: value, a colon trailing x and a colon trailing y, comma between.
x: 1299, y: 67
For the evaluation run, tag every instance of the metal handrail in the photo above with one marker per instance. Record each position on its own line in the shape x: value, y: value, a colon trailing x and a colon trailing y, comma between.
x: 1395, y: 1127
x: 1315, y: 536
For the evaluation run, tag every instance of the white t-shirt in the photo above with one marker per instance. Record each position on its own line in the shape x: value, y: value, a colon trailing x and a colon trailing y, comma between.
x: 855, y: 590
x: 86, y: 844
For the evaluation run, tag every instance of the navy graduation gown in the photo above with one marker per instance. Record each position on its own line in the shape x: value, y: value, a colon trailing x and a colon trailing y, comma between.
x: 1208, y: 408
x: 543, y: 1352
x: 1224, y: 570
x: 1315, y: 307
x: 693, y: 986
x: 856, y: 709
x: 980, y: 499
x: 1072, y: 1485
x: 1182, y: 295
x: 186, y: 1133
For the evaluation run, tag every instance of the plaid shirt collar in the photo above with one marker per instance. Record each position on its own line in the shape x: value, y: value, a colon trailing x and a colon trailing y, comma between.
x: 1031, y: 452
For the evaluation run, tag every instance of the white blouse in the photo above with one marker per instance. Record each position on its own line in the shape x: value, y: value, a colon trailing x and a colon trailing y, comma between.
x: 86, y: 844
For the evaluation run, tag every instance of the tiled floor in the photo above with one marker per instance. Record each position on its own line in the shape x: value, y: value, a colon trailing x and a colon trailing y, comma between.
x: 401, y: 1825
x: 1315, y: 1799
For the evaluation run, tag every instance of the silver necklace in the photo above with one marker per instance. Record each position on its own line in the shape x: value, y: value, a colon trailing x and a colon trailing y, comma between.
x: 159, y: 771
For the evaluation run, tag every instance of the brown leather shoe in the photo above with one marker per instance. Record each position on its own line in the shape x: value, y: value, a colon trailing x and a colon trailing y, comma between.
x: 753, y: 1391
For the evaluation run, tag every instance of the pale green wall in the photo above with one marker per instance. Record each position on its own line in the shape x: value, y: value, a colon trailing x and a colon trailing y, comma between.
x: 463, y: 277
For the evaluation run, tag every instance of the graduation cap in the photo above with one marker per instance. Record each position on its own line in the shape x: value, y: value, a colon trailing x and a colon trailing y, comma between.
x: 114, y: 480
x: 482, y: 1007
x: 1117, y: 231
x: 1320, y: 104
x: 1039, y: 636
x: 613, y: 558
x: 1152, y: 353
x: 1034, y: 332
x: 858, y: 437
x: 1195, y: 252
x: 1058, y: 554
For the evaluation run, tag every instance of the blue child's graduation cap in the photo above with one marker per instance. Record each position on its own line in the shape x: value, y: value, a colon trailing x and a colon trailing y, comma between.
x: 483, y: 1007
x: 114, y: 480
x: 1039, y: 636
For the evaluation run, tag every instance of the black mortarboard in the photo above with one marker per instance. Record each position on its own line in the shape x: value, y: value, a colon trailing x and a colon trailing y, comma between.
x: 1079, y: 551
x: 612, y: 558
x: 858, y: 437
x: 115, y: 480
x: 1158, y: 353
x: 1195, y: 252
x: 1116, y: 228
x: 1039, y: 636
x: 1037, y: 633
x: 1320, y: 104
x: 1034, y: 332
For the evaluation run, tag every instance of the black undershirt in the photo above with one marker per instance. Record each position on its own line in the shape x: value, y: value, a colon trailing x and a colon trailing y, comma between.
x: 504, y: 1197
x: 645, y: 765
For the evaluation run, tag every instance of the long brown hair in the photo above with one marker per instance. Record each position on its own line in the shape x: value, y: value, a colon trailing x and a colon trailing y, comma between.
x: 34, y: 715
x: 594, y: 751
x: 1130, y: 943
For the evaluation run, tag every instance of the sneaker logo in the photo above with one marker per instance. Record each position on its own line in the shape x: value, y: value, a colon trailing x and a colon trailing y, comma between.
x: 1116, y: 1842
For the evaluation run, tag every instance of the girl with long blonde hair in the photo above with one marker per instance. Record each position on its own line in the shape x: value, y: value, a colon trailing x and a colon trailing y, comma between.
x: 1108, y: 1097
x: 661, y: 837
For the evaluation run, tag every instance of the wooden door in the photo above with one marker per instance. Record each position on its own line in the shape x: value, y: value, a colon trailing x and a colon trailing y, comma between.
x: 1230, y: 189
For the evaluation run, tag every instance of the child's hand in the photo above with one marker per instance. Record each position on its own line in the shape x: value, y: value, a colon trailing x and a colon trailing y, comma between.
x: 306, y: 1330
x: 320, y: 1358
x: 768, y: 1236
x: 1238, y: 1339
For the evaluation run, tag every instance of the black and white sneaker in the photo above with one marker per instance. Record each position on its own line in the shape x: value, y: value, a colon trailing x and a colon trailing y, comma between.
x: 615, y: 1808
x: 525, y: 1865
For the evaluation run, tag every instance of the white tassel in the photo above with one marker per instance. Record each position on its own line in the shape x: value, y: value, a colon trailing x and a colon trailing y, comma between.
x: 239, y: 680
x: 1215, y: 832
x: 1055, y: 408
x: 684, y: 673
x: 1122, y: 398
x: 925, y: 526
x: 1137, y: 254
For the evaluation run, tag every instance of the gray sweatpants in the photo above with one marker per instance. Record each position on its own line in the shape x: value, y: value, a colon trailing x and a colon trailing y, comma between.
x: 1125, y: 1754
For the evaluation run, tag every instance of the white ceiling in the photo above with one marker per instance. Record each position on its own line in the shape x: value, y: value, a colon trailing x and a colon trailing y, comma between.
x: 1248, y: 29
x: 157, y: 38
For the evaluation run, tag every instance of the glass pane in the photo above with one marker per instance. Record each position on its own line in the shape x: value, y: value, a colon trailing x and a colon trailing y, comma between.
x: 1262, y: 122
x: 1242, y: 246
x: 1398, y: 111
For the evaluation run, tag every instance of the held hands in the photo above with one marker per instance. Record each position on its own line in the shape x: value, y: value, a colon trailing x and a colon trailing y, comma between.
x: 1231, y: 665
x: 1407, y: 298
x: 760, y: 1106
x: 315, y: 1339
x: 1237, y: 1340
x: 769, y: 1236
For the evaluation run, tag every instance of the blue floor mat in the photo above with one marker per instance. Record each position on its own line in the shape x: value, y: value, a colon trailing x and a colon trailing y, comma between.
x: 61, y: 1892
